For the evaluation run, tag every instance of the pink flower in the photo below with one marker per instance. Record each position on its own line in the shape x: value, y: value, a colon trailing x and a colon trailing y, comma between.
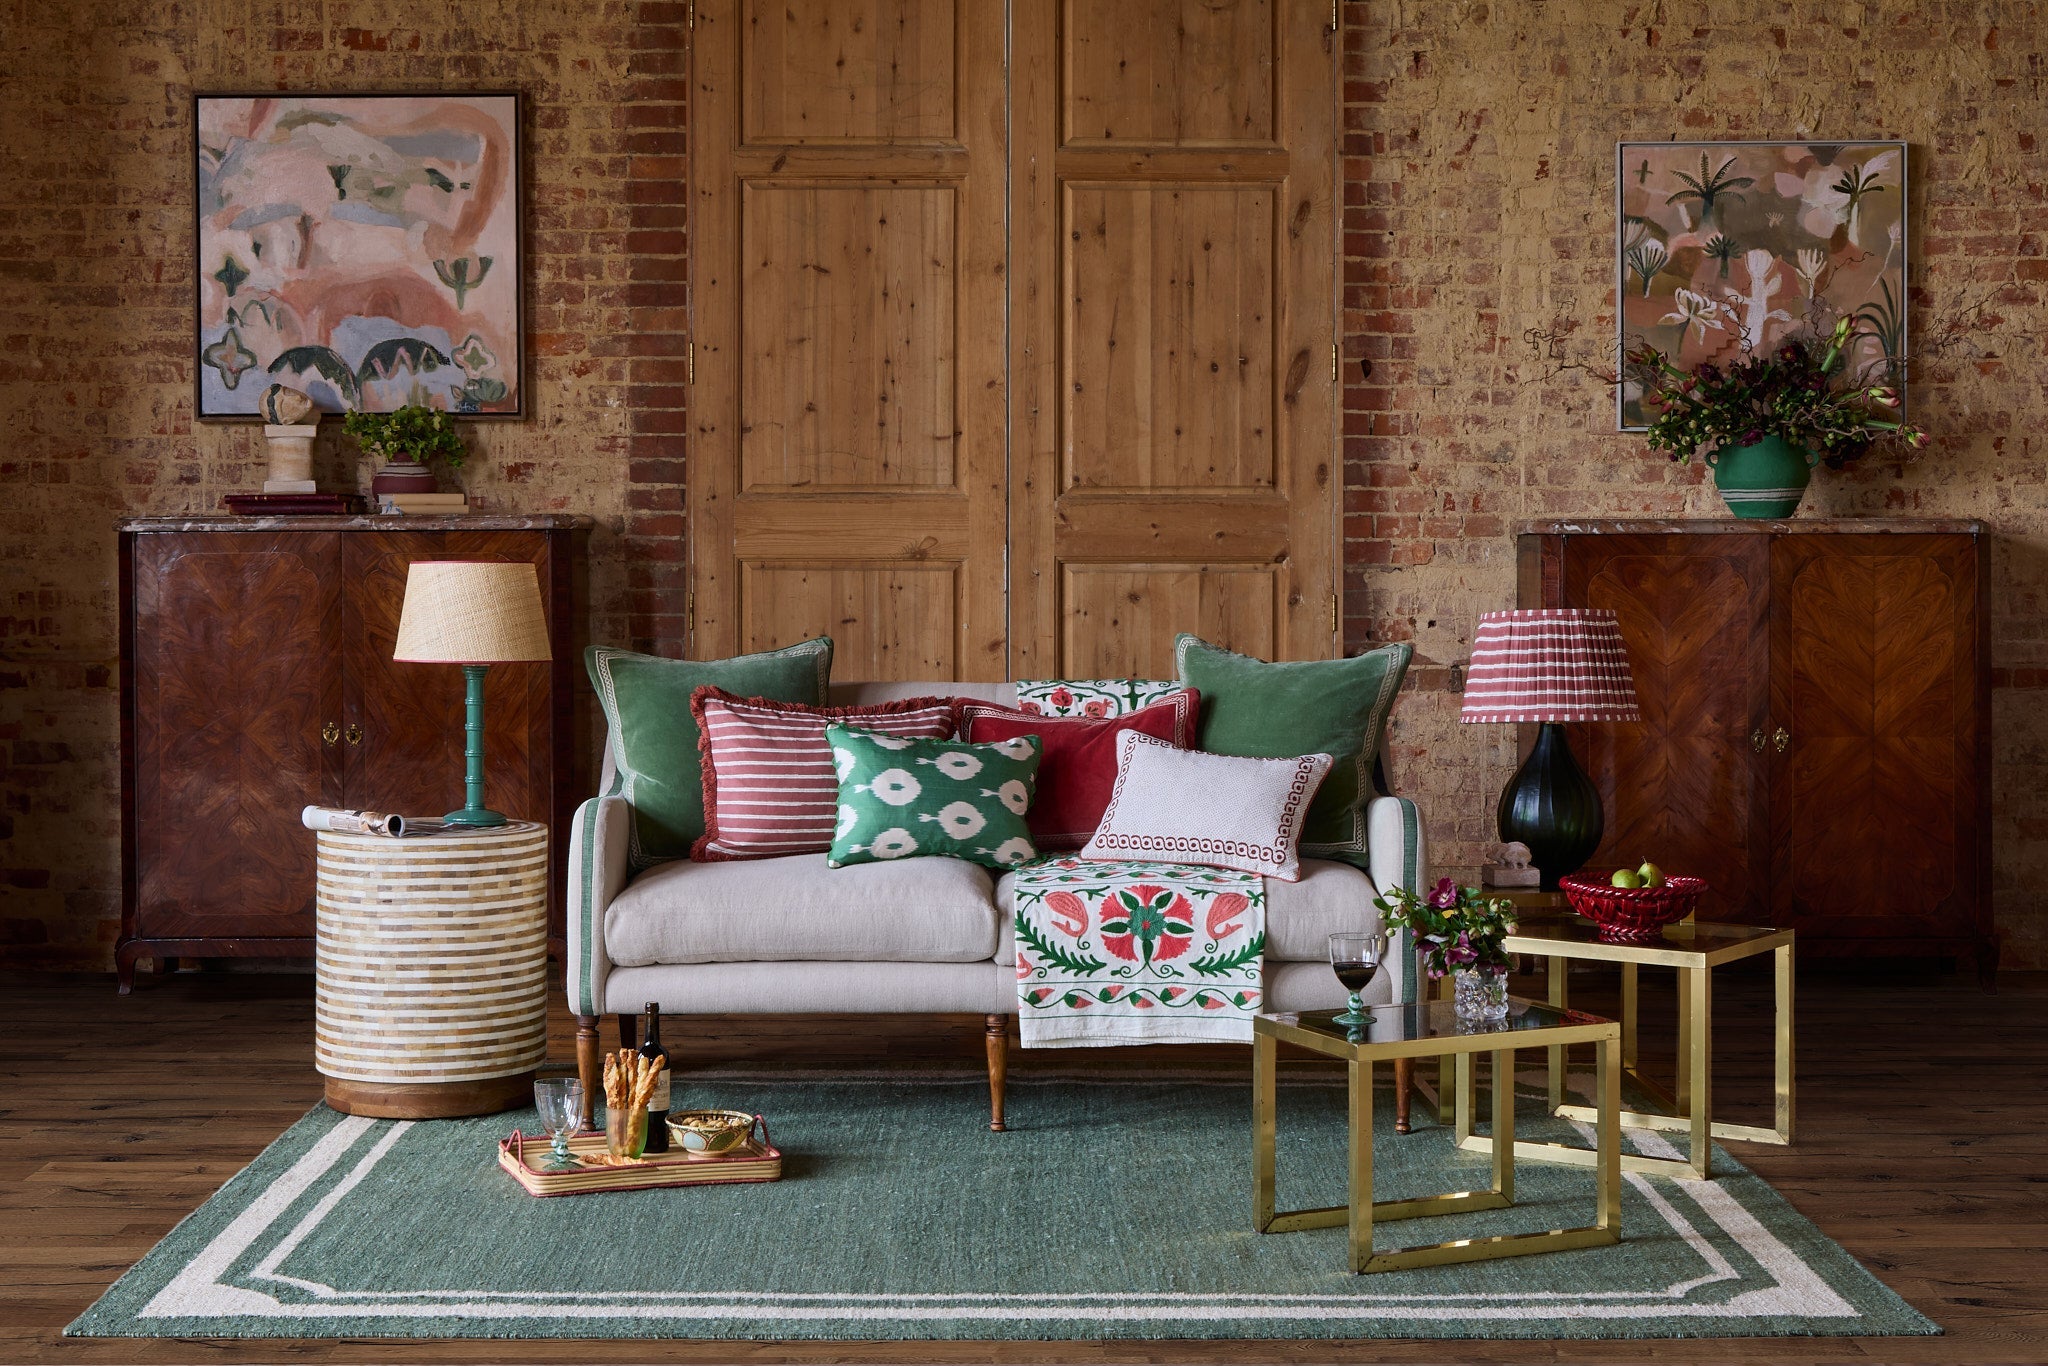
x: 1070, y: 913
x: 1060, y: 697
x: 1444, y: 895
x: 1226, y: 905
x: 1098, y: 708
x: 1031, y: 707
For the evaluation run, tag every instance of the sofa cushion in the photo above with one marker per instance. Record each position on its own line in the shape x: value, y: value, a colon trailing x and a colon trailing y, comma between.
x: 902, y: 798
x: 1078, y: 766
x: 931, y: 910
x: 1337, y: 706
x: 769, y: 788
x: 1217, y: 810
x: 653, y: 737
x: 1331, y: 898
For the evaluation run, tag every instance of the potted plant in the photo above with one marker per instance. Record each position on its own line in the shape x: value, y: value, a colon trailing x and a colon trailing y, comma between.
x: 1765, y: 421
x: 406, y: 439
x: 1458, y: 932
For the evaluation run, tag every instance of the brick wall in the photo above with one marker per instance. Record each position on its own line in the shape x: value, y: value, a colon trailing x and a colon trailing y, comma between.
x: 1478, y: 203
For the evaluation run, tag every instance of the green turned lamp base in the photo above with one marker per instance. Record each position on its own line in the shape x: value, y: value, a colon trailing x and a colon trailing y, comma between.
x: 475, y: 816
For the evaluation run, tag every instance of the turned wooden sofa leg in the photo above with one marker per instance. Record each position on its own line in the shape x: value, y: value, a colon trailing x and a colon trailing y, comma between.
x: 589, y: 1062
x: 1404, y: 1086
x: 998, y: 1035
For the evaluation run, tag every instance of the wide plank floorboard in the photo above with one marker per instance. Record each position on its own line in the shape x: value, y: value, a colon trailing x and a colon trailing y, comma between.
x: 1923, y: 1149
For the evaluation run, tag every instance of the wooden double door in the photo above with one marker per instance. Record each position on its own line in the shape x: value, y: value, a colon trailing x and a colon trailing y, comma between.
x: 1013, y: 365
x: 1815, y: 723
x: 258, y: 680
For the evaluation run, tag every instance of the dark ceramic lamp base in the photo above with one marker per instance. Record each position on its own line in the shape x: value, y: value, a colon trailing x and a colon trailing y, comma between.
x: 1553, y: 807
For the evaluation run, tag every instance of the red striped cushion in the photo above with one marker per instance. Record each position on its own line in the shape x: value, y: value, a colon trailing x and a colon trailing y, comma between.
x: 769, y: 786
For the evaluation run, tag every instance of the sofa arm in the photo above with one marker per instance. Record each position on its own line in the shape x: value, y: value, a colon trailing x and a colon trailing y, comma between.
x: 1397, y: 857
x: 598, y: 840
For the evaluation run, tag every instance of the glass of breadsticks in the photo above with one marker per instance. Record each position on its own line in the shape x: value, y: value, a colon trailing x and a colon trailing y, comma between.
x: 628, y: 1085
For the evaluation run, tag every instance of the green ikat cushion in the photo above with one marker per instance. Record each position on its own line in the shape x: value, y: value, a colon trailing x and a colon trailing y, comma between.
x: 907, y: 798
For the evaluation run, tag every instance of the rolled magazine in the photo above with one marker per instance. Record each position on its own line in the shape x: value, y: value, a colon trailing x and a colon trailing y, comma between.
x: 348, y: 822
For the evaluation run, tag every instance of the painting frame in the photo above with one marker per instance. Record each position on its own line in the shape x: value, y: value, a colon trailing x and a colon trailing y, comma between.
x: 508, y: 360
x: 1886, y: 329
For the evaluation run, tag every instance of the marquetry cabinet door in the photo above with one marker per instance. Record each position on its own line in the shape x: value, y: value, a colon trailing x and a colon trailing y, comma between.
x: 234, y: 641
x: 1877, y: 740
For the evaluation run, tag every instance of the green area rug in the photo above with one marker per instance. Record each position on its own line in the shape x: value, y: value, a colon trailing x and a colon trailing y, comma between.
x: 1118, y: 1207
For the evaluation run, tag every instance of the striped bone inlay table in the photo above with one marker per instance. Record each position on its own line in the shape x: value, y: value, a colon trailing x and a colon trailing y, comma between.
x: 432, y: 954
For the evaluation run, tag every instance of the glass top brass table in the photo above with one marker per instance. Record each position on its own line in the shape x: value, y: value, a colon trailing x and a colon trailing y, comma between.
x: 1695, y: 950
x: 1432, y: 1029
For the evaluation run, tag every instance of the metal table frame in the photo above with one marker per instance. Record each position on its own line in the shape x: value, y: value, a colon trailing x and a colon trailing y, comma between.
x: 1363, y: 1212
x: 1690, y: 1110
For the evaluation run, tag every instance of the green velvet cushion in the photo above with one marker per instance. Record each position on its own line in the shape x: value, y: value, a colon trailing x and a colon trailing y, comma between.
x: 1276, y: 711
x: 906, y: 798
x: 646, y: 701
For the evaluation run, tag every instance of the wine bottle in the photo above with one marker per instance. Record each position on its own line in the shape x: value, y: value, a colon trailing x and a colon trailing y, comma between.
x: 657, y: 1103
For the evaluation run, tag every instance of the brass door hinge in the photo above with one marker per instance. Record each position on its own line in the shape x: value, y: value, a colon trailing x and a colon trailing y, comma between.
x: 690, y: 362
x: 1336, y: 613
x: 1333, y: 362
x: 1333, y: 16
x: 693, y: 13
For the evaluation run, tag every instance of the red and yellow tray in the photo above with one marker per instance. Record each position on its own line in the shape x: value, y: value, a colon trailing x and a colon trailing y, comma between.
x: 526, y: 1158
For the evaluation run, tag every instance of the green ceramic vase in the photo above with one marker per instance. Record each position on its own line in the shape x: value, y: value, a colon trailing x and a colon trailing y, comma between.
x: 1764, y: 480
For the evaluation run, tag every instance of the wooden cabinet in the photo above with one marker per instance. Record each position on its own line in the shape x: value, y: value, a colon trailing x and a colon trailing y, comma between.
x: 1815, y: 722
x: 257, y: 678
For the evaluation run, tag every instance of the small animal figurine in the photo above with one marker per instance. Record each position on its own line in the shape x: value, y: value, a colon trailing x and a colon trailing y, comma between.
x: 1513, y: 868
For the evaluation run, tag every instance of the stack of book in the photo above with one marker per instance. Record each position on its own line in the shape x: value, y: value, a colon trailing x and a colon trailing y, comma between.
x: 423, y: 504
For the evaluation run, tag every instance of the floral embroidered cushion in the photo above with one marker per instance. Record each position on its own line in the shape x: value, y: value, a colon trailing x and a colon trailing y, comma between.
x: 1077, y: 768
x: 769, y: 788
x: 1218, y: 810
x: 1090, y: 697
x: 907, y: 798
x: 654, y: 736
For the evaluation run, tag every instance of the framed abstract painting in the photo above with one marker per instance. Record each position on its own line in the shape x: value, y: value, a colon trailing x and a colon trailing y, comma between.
x: 364, y: 248
x: 1722, y: 248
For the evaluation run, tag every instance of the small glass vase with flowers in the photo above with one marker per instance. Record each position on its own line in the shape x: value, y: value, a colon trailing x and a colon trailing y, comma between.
x: 1458, y: 932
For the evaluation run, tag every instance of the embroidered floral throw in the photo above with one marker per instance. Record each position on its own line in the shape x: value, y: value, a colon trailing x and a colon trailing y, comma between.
x: 1131, y: 952
x: 1091, y: 697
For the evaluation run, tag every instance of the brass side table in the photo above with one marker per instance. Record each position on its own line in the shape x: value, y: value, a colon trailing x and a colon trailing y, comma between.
x: 1432, y: 1029
x: 1695, y: 949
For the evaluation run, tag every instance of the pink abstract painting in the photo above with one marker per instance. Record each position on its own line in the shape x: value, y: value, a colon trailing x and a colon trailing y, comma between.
x: 363, y: 248
x: 1722, y: 248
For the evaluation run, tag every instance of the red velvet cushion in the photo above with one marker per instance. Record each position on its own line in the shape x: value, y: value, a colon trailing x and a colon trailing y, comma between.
x: 1078, y: 770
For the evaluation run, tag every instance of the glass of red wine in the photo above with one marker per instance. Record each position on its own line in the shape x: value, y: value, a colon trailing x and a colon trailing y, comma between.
x: 1355, y: 958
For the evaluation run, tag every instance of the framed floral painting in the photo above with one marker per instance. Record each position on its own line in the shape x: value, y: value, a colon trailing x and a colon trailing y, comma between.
x: 1721, y: 248
x: 361, y: 247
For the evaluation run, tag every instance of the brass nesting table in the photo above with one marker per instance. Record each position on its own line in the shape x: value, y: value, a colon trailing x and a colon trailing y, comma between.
x: 1426, y: 1030
x: 1695, y: 949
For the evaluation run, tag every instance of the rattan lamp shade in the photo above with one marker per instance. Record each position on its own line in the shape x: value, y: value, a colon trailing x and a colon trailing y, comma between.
x: 471, y: 612
x: 1550, y: 664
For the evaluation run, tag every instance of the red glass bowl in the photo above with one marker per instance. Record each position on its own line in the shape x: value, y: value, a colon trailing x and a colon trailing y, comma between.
x: 1631, y: 915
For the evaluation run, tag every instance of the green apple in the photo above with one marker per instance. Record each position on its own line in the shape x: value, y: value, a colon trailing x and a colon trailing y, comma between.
x: 1625, y: 877
x: 1649, y: 875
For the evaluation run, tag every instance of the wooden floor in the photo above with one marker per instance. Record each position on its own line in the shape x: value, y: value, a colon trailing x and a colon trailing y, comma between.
x: 1923, y: 1149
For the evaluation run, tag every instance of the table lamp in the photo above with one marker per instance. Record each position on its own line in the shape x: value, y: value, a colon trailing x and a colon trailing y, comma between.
x: 1551, y: 665
x: 476, y: 614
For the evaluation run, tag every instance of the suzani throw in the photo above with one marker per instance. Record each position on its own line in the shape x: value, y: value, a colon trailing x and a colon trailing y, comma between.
x: 1130, y: 952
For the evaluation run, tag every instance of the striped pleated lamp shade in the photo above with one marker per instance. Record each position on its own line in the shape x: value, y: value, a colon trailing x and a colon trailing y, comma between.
x: 1550, y: 664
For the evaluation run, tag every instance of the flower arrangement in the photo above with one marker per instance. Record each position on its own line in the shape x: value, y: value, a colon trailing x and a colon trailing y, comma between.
x: 411, y: 433
x: 1798, y: 392
x: 1455, y: 928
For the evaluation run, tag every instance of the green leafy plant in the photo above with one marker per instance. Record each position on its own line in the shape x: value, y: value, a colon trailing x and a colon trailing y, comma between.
x: 1800, y: 392
x: 409, y: 433
x: 1455, y: 927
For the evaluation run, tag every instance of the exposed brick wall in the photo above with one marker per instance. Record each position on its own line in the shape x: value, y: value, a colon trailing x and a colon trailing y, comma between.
x: 1478, y: 203
x: 1477, y: 146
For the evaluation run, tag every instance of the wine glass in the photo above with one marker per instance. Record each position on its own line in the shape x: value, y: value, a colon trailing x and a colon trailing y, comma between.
x: 1355, y: 958
x: 560, y: 1102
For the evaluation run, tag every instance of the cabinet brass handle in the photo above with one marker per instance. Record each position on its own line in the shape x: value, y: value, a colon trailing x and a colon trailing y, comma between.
x: 1781, y: 738
x: 330, y: 732
x: 355, y: 735
x: 1756, y: 739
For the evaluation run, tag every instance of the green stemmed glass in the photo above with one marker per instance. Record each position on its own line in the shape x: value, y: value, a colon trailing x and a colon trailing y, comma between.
x: 1356, y: 958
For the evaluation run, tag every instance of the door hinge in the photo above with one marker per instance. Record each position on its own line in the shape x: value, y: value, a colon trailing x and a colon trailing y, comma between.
x: 693, y: 12
x: 689, y: 615
x: 690, y: 362
x: 1333, y: 362
x: 1336, y: 613
x: 1333, y: 16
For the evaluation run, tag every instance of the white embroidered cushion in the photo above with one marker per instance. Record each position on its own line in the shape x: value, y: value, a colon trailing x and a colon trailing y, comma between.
x: 1217, y: 810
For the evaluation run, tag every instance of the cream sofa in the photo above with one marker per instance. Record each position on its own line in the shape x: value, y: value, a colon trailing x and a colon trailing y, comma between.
x: 790, y: 936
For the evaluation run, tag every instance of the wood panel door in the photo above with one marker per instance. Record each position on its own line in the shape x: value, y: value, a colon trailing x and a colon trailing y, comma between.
x: 1172, y: 358
x: 1687, y: 786
x: 847, y: 473
x: 233, y: 642
x: 1877, y: 791
x: 403, y: 740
